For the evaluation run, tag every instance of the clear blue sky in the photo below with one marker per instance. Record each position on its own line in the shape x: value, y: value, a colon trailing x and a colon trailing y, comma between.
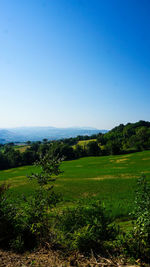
x: 74, y: 62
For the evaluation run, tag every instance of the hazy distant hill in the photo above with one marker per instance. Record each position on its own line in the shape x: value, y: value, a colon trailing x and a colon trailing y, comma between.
x: 7, y: 136
x: 22, y: 134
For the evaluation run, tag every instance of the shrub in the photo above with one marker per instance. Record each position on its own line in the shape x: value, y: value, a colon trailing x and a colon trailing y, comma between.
x: 141, y: 215
x: 86, y: 227
x: 136, y: 243
x: 26, y: 223
x: 6, y: 226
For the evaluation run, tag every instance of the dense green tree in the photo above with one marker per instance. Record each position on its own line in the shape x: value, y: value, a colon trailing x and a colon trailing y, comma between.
x: 93, y: 149
x: 29, y: 157
x: 113, y: 147
x: 80, y: 151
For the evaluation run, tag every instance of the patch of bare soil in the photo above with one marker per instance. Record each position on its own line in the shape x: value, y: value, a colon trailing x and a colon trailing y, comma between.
x: 49, y: 258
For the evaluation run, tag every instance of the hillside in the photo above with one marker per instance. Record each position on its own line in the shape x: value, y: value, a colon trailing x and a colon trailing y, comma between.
x: 111, y: 179
x: 23, y: 134
x: 95, y: 190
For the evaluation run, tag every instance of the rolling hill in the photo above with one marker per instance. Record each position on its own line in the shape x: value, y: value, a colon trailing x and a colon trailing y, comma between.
x: 23, y: 134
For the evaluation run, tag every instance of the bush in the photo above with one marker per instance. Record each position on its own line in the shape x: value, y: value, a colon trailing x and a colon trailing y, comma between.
x: 26, y: 223
x: 6, y: 227
x: 15, y: 230
x: 136, y: 243
x: 141, y: 223
x: 86, y: 227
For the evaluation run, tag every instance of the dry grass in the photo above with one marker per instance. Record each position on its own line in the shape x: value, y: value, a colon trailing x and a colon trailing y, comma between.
x: 21, y: 148
x: 50, y: 258
x: 121, y: 160
x: 146, y: 159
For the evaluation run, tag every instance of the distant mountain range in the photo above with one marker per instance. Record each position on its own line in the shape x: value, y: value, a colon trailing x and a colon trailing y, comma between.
x: 23, y: 134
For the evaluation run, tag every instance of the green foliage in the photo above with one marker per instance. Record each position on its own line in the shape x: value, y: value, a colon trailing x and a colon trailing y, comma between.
x: 49, y: 166
x: 26, y: 223
x: 5, y: 221
x: 111, y: 179
x: 141, y: 215
x: 122, y: 139
x: 113, y: 147
x: 79, y: 151
x: 86, y: 227
x: 93, y: 149
x: 136, y: 242
x: 44, y: 197
x: 126, y: 138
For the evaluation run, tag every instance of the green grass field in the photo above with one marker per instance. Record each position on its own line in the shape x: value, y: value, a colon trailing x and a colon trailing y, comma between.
x: 112, y: 179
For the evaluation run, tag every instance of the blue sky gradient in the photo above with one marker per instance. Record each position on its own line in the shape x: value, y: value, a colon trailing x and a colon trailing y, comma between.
x: 74, y: 62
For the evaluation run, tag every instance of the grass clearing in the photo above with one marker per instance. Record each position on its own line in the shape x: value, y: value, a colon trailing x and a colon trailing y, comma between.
x: 112, y: 179
x: 21, y: 148
x: 83, y: 143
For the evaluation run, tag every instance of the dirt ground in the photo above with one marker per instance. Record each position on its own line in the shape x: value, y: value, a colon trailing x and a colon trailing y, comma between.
x: 49, y: 258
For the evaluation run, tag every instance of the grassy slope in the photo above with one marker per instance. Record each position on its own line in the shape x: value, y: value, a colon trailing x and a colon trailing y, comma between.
x: 111, y: 179
x: 21, y: 148
x: 83, y: 143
